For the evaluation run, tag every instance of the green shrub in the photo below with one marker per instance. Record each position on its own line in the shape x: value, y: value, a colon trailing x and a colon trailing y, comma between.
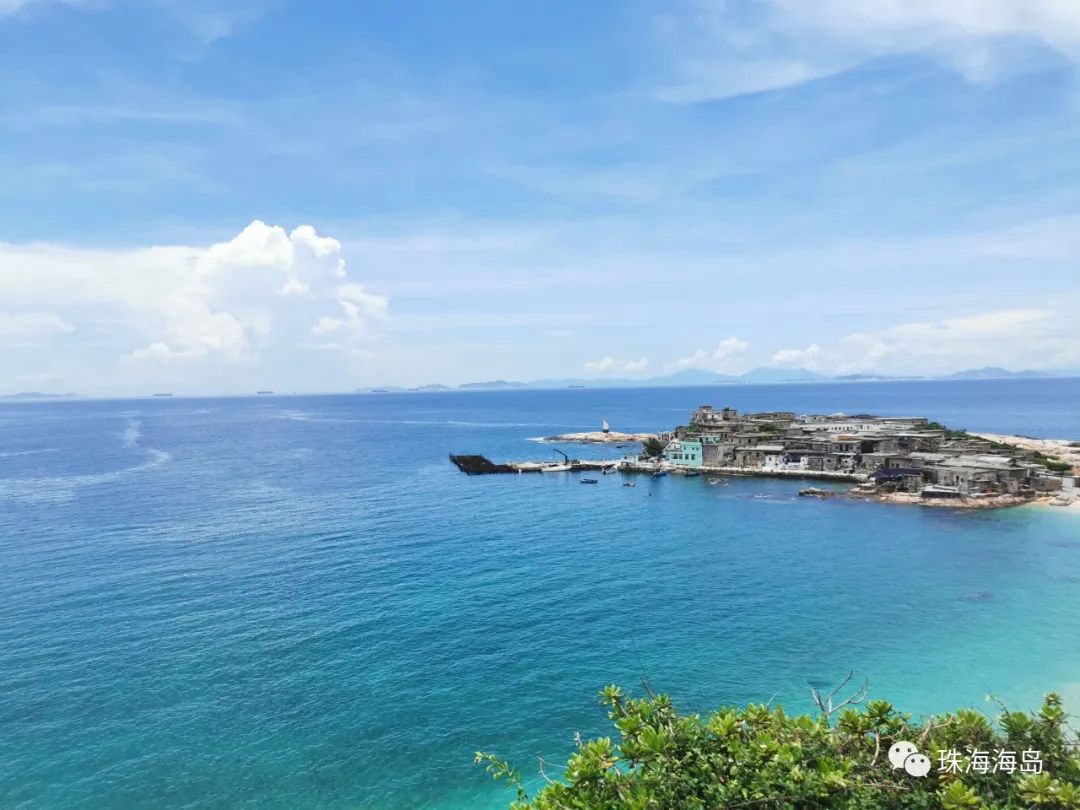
x: 653, y: 447
x: 760, y: 757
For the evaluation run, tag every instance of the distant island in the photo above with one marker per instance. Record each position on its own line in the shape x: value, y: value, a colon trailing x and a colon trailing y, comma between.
x: 494, y: 384
x: 996, y: 373
x: 37, y: 395
x: 757, y: 376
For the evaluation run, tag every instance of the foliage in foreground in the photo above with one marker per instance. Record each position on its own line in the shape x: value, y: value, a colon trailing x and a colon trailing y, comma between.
x: 652, y: 447
x: 760, y: 757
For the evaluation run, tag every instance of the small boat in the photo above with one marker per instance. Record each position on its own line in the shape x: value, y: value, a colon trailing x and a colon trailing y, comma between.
x: 659, y: 474
x: 629, y: 483
x: 589, y: 480
x: 714, y: 482
x: 609, y: 470
x: 606, y: 426
x: 556, y: 468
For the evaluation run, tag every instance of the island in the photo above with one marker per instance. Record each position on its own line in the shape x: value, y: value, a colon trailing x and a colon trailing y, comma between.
x: 892, y: 459
x: 599, y: 437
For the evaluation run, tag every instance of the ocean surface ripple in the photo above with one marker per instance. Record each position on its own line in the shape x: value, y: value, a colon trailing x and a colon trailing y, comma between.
x: 298, y: 602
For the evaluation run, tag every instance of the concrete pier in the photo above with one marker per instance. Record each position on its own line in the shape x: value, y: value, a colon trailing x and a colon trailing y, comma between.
x: 479, y: 465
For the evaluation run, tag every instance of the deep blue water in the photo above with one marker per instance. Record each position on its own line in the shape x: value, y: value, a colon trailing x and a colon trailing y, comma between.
x: 298, y: 601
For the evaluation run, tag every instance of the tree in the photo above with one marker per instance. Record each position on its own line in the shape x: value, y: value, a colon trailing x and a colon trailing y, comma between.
x: 760, y: 757
x: 653, y: 447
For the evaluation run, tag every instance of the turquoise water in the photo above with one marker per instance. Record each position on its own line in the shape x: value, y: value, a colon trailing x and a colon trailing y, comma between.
x: 298, y: 601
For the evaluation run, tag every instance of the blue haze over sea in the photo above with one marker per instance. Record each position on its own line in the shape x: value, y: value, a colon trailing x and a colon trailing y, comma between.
x: 298, y: 602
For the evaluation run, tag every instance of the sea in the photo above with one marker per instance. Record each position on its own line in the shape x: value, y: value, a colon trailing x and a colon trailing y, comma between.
x: 298, y: 602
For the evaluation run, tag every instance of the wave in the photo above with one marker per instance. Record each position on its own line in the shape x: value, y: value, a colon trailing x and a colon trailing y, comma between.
x: 307, y: 416
x: 13, y: 453
x: 130, y: 436
x: 63, y: 488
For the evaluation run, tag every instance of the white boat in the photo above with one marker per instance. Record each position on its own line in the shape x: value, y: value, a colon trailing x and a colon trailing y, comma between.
x: 607, y: 427
x: 556, y: 468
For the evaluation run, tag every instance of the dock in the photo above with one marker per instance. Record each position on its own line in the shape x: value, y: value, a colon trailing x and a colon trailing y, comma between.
x: 481, y: 465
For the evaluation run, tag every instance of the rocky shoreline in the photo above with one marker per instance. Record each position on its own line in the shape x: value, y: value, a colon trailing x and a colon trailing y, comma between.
x: 968, y: 502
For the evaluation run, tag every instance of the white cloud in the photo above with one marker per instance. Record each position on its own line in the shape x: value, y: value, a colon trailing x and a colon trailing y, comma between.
x: 256, y: 299
x: 808, y: 358
x: 30, y: 328
x: 1015, y: 339
x: 720, y: 49
x: 262, y: 281
x: 722, y: 358
x: 904, y: 24
x: 608, y: 365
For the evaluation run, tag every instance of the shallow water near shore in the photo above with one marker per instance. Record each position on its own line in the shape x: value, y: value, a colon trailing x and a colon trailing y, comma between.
x: 299, y: 602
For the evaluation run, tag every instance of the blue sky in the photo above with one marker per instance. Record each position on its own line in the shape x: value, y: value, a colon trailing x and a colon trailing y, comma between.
x: 322, y: 196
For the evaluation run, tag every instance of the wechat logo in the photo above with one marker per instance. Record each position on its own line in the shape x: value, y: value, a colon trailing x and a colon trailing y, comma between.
x: 905, y: 755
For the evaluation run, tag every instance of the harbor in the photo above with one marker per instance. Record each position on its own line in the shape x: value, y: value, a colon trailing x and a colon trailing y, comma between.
x: 889, y: 458
x: 481, y: 465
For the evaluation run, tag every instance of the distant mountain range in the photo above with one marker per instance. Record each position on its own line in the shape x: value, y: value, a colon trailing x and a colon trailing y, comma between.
x: 757, y: 376
x: 995, y: 373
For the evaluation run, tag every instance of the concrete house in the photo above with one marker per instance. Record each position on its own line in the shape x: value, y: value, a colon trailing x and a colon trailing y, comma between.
x: 683, y: 452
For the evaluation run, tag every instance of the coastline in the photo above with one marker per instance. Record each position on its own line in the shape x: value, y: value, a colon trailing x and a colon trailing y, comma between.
x: 1064, y: 450
x: 1061, y: 450
x: 970, y: 502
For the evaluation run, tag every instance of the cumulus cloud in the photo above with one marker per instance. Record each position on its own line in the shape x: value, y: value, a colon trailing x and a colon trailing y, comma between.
x: 257, y: 298
x: 262, y: 284
x: 809, y: 358
x: 608, y: 365
x: 723, y: 358
x: 1016, y: 339
x: 722, y: 49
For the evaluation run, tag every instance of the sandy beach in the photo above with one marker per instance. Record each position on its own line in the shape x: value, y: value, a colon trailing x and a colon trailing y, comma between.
x: 1060, y: 449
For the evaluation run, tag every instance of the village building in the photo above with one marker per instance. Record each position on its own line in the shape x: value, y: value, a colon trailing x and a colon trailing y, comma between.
x: 683, y: 452
x: 893, y: 453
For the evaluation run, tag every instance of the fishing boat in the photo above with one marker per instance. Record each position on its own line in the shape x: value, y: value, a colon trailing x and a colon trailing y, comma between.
x: 606, y: 426
x: 609, y: 470
x: 629, y: 483
x: 589, y: 480
x: 659, y: 474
